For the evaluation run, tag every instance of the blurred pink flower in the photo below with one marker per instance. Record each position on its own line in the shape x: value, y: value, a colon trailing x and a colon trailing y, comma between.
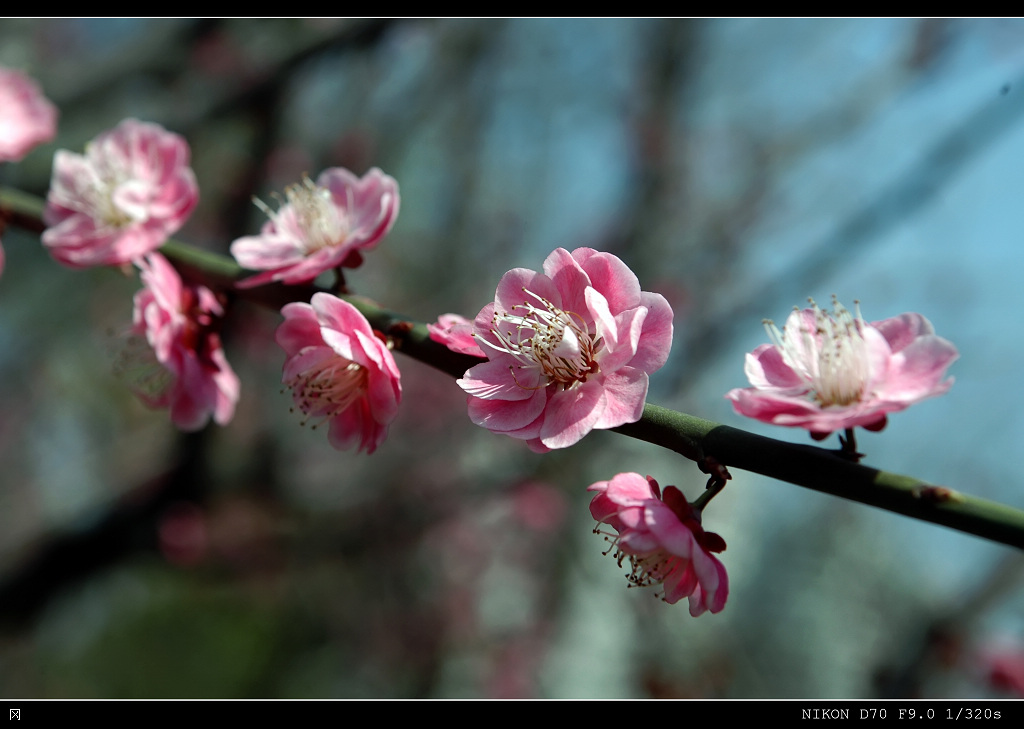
x: 338, y: 370
x: 122, y: 199
x: 1003, y: 667
x: 827, y: 372
x: 456, y: 333
x: 664, y: 540
x: 180, y: 322
x: 27, y: 118
x: 570, y: 350
x: 321, y: 226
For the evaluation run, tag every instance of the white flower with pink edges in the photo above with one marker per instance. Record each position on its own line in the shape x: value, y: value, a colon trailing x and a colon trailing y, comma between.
x: 827, y: 372
x: 320, y: 226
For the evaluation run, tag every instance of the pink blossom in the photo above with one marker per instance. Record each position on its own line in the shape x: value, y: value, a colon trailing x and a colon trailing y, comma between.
x: 570, y: 350
x: 180, y: 323
x: 129, y: 192
x: 1003, y: 666
x: 456, y: 333
x: 827, y: 372
x: 27, y: 118
x: 664, y: 540
x: 320, y: 227
x: 338, y: 370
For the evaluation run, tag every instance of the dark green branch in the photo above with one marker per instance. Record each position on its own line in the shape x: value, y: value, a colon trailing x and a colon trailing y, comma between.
x: 697, y: 439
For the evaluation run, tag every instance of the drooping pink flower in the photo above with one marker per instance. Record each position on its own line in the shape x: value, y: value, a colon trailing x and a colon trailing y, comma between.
x: 27, y: 118
x: 180, y: 322
x: 663, y: 539
x: 456, y: 333
x: 827, y: 372
x: 321, y: 226
x: 339, y: 371
x: 130, y: 191
x: 570, y: 350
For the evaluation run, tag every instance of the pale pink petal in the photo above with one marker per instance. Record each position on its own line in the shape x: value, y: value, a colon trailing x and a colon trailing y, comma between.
x: 494, y: 380
x: 625, y: 393
x: 502, y: 416
x: 655, y: 340
x: 569, y: 279
x: 456, y: 333
x: 765, y: 367
x: 571, y: 414
x: 609, y: 275
x: 900, y: 331
x: 299, y: 330
x: 919, y: 369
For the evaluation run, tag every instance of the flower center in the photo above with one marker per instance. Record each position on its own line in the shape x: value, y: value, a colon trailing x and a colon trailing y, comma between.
x: 645, y: 570
x: 99, y: 198
x: 329, y: 388
x: 547, y: 338
x: 832, y: 358
x: 322, y: 222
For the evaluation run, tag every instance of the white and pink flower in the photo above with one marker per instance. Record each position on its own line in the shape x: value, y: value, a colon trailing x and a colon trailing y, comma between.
x: 827, y: 372
x: 663, y: 538
x: 27, y: 118
x: 181, y: 322
x: 570, y: 350
x: 320, y: 226
x: 130, y: 191
x: 456, y: 333
x: 338, y: 370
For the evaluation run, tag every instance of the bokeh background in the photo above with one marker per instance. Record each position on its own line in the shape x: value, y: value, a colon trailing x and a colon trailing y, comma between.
x: 738, y: 166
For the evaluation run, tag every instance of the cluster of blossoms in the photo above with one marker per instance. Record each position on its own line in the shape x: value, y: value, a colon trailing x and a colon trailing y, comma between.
x: 337, y: 368
x: 560, y: 352
x: 27, y: 119
x: 828, y: 372
x: 116, y: 205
